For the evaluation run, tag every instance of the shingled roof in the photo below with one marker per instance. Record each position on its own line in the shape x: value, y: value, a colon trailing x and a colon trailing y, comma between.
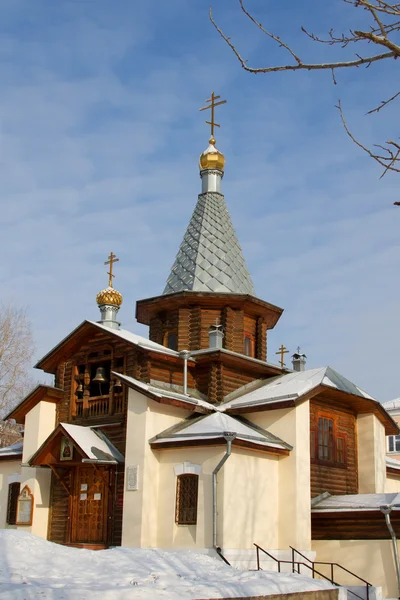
x: 210, y: 258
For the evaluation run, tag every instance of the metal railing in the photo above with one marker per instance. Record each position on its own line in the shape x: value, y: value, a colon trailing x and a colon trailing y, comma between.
x: 310, y: 564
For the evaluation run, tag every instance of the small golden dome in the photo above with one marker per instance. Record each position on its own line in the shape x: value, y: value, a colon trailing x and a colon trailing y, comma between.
x: 109, y: 296
x: 212, y: 158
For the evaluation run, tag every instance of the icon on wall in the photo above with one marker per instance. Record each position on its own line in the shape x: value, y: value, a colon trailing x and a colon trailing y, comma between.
x: 66, y: 450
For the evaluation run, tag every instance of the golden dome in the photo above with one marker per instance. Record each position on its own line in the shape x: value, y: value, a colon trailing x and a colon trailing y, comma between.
x: 212, y: 158
x: 109, y: 296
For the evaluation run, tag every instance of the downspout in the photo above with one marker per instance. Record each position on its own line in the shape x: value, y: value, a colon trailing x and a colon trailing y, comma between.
x: 185, y: 354
x: 386, y: 510
x: 229, y: 436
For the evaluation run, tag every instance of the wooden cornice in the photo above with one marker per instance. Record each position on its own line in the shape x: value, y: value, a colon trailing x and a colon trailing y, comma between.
x: 392, y: 471
x: 221, y: 442
x: 149, y: 307
x: 41, y: 392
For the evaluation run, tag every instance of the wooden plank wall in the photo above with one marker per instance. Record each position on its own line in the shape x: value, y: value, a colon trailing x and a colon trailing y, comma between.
x: 335, y: 479
x: 59, y: 512
x: 352, y: 525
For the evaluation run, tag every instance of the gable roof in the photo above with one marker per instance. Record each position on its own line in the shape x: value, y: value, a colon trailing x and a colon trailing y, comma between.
x: 287, y: 390
x: 12, y: 452
x: 213, y: 427
x: 74, y: 339
x: 165, y: 396
x: 210, y: 258
x: 91, y: 442
x: 40, y: 392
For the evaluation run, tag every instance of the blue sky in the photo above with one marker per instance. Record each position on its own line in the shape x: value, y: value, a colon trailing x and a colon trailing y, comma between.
x: 100, y: 135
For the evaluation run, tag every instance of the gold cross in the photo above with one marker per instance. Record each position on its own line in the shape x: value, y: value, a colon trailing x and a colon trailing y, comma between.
x: 111, y: 260
x: 282, y: 351
x: 212, y: 106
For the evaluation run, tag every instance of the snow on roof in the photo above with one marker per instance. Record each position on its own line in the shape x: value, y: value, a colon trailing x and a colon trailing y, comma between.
x: 355, y: 502
x: 391, y: 404
x: 294, y: 385
x: 134, y: 338
x: 163, y: 393
x: 37, y: 568
x: 93, y: 443
x: 392, y: 463
x: 13, y: 450
x: 214, y: 427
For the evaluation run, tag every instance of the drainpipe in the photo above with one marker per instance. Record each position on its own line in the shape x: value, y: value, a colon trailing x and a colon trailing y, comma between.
x: 386, y: 510
x: 229, y: 436
x: 185, y: 354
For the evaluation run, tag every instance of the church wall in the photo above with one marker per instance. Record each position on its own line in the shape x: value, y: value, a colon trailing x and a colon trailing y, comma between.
x: 335, y: 479
x: 187, y: 536
x: 294, y: 519
x: 39, y: 423
x: 250, y: 501
x: 371, y: 455
x: 10, y: 471
x: 145, y: 419
x: 370, y: 559
x: 392, y: 484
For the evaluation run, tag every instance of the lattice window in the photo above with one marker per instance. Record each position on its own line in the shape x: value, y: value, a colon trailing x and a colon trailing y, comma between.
x: 186, y: 499
x: 325, y: 439
x: 12, y: 502
x: 394, y: 443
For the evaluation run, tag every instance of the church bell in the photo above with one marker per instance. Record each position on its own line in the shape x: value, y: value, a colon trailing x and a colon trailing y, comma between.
x: 100, y: 376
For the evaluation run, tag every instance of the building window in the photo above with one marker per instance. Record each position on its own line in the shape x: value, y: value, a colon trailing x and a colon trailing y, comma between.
x: 13, y: 493
x: 248, y: 345
x: 171, y: 340
x: 186, y: 499
x: 325, y: 444
x: 394, y: 443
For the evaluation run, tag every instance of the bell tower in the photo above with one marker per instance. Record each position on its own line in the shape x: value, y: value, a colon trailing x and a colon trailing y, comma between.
x: 209, y: 281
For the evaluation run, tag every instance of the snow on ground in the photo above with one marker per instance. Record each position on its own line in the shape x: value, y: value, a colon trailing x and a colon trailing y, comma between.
x: 33, y: 569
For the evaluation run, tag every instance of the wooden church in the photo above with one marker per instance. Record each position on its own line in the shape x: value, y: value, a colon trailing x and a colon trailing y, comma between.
x: 191, y: 438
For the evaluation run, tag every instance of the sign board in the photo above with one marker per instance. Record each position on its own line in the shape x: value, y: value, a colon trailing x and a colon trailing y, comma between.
x: 25, y: 507
x: 132, y: 478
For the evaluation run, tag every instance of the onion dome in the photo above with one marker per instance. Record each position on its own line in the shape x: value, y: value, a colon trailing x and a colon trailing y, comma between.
x: 109, y: 296
x: 212, y: 158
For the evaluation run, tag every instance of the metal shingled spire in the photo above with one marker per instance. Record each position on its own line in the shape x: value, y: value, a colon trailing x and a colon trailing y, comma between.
x: 210, y: 258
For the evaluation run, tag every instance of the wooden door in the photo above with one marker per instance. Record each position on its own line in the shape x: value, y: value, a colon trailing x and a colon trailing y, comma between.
x: 90, y: 504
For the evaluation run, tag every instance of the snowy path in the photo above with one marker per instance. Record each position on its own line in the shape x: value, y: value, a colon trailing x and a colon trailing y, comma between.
x: 34, y: 569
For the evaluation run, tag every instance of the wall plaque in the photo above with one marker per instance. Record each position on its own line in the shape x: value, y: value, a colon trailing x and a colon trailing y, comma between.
x: 25, y: 507
x: 132, y: 478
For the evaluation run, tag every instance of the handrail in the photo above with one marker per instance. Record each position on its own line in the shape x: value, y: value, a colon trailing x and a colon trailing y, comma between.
x: 319, y: 562
x: 219, y: 552
x: 312, y: 568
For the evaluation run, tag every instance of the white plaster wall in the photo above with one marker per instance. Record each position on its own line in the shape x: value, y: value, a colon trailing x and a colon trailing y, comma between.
x: 249, y: 501
x: 39, y: 424
x: 370, y: 559
x: 9, y: 470
x: 187, y: 536
x: 145, y: 419
x: 371, y: 455
x: 294, y: 517
x: 392, y: 485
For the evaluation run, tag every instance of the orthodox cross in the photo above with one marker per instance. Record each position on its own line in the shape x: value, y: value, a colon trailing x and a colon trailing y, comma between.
x: 111, y: 260
x: 282, y: 351
x: 212, y: 106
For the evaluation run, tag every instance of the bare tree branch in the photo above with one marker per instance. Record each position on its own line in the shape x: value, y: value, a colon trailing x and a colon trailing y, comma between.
x: 383, y: 33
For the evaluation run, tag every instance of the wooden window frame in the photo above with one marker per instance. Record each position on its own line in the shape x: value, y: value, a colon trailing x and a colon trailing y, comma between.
x: 249, y: 336
x: 337, y: 436
x: 12, y: 502
x: 186, y: 499
x: 394, y: 440
x: 166, y: 339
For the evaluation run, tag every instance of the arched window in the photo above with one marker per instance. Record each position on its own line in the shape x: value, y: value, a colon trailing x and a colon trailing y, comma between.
x: 187, y: 487
x: 171, y: 340
x: 13, y: 493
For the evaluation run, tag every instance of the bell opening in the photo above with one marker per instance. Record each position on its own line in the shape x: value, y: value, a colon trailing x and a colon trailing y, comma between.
x: 100, y: 379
